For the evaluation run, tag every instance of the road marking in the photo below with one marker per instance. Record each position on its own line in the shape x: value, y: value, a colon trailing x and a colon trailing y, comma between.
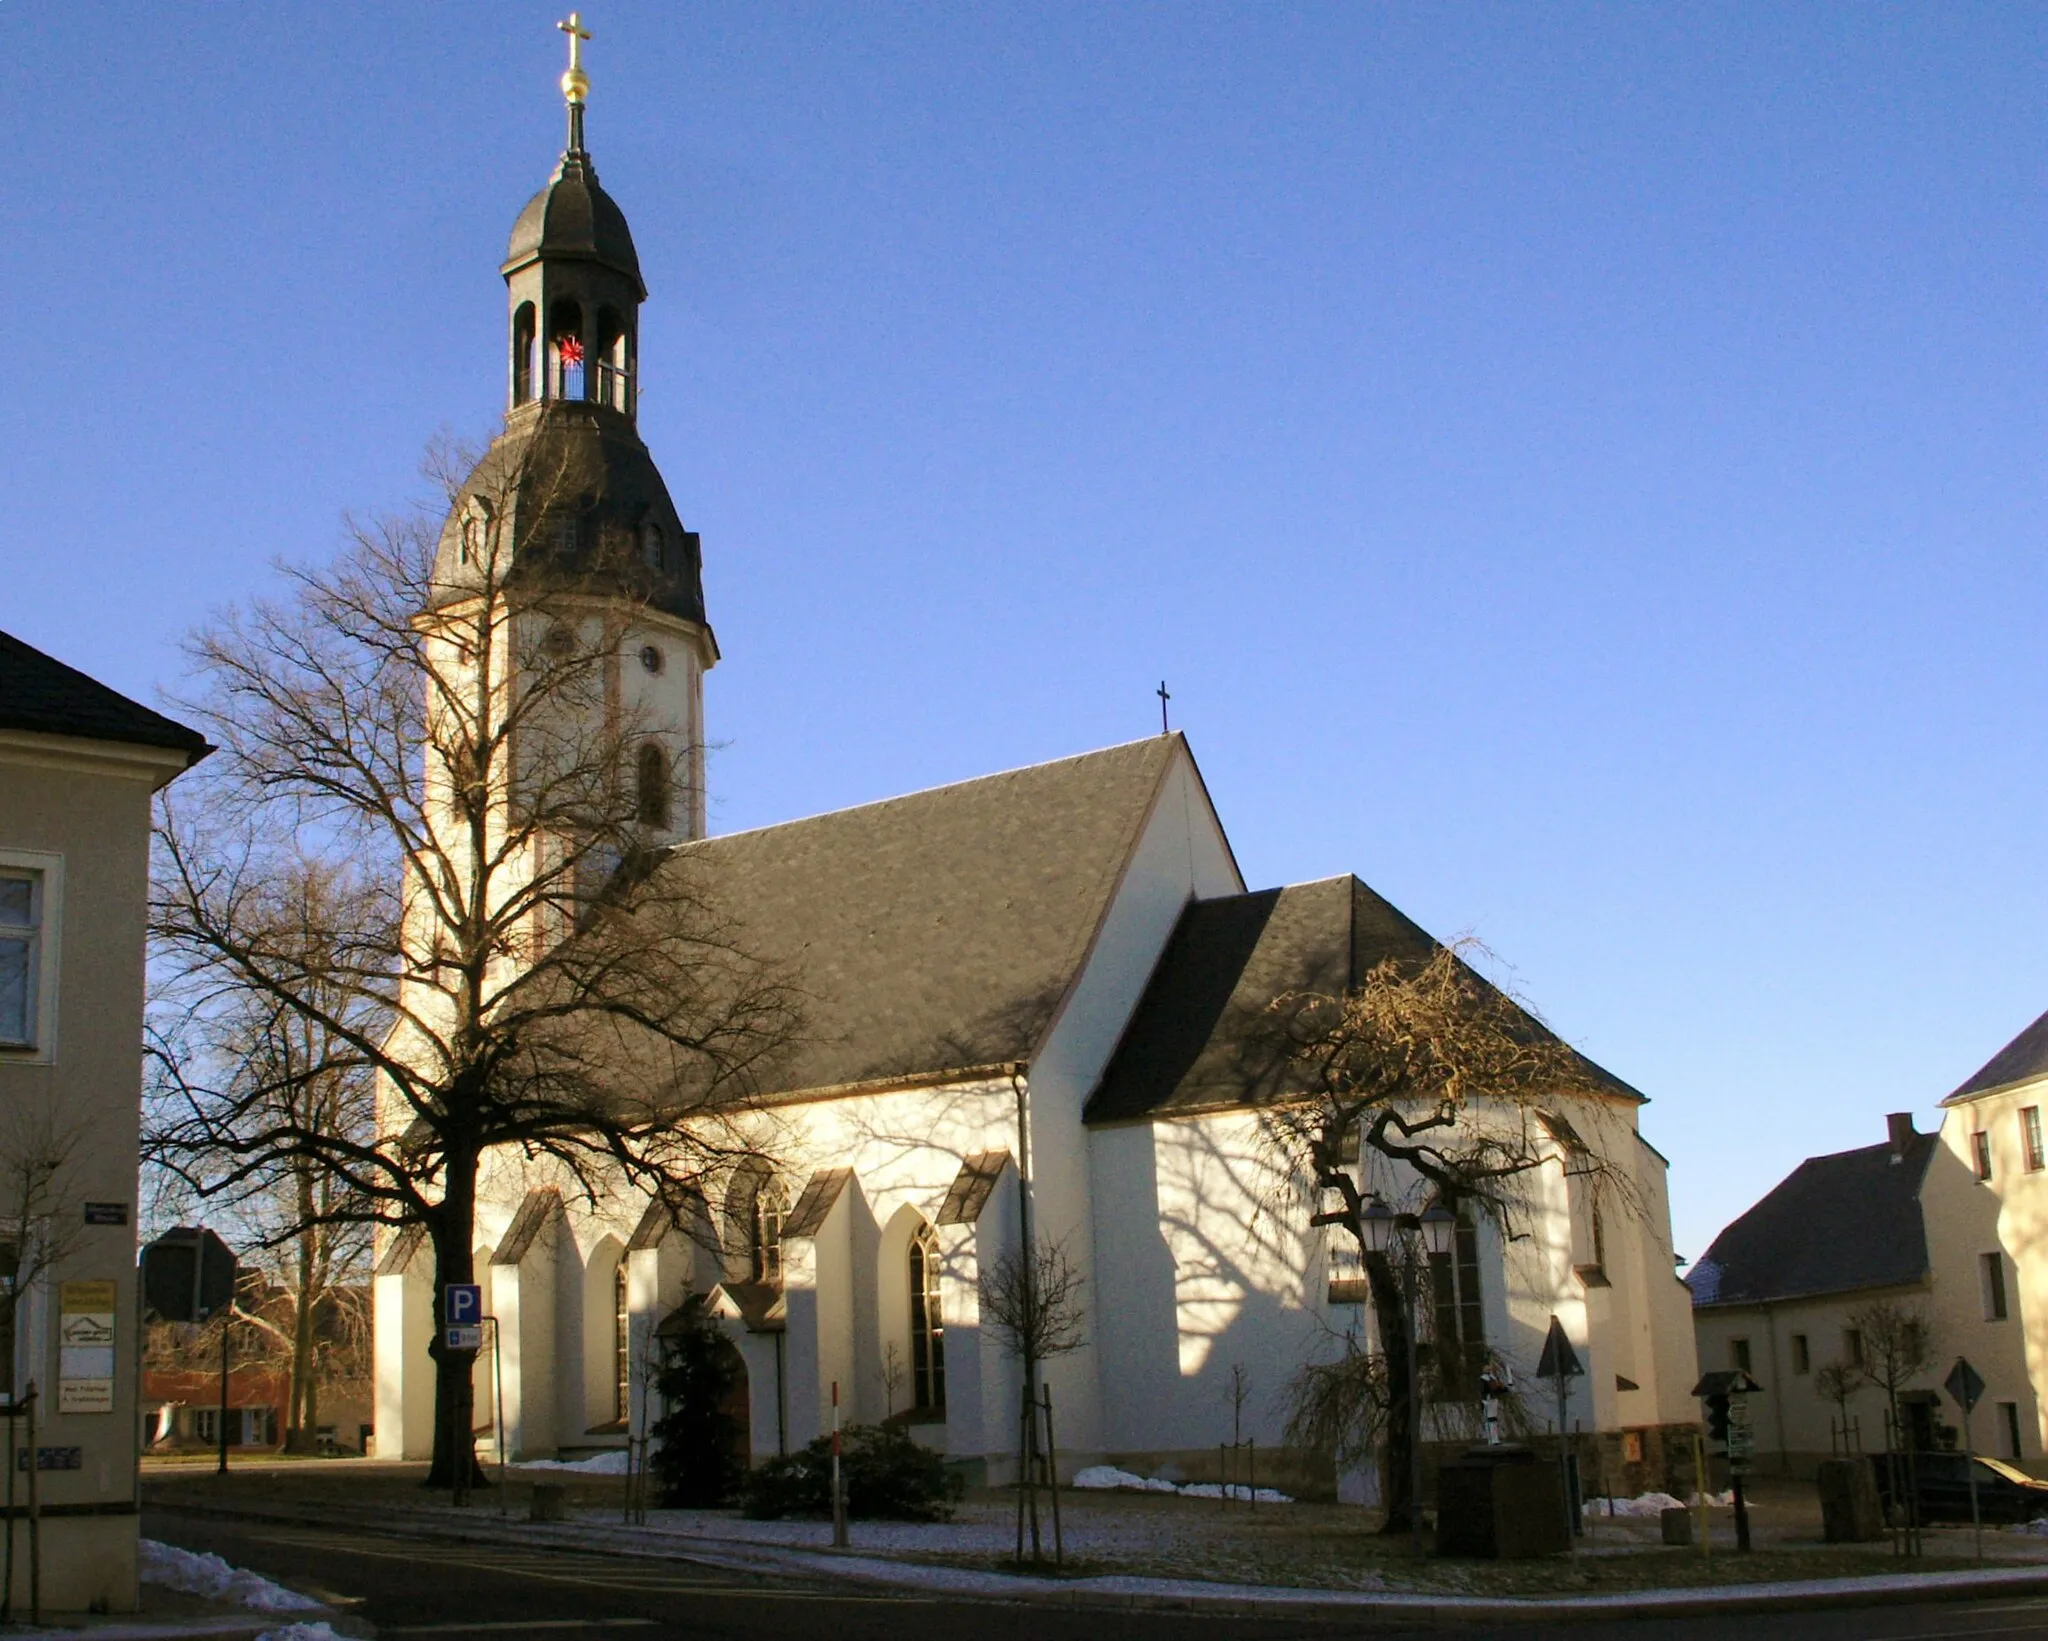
x: 523, y: 1625
x: 1958, y: 1635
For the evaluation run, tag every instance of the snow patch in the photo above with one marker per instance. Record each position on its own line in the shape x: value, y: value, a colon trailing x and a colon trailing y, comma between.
x: 1103, y: 1478
x: 205, y: 1574
x: 598, y: 1464
x: 1649, y: 1504
x: 322, y: 1631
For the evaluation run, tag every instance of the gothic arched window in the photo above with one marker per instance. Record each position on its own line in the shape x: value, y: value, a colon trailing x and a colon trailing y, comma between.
x: 622, y: 1343
x: 651, y: 796
x: 764, y: 1240
x: 927, y: 1325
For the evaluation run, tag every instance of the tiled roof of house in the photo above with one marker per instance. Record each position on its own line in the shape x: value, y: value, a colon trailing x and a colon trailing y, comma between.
x: 2025, y: 1057
x: 1835, y: 1224
x: 936, y: 932
x: 40, y: 694
x: 1201, y: 1038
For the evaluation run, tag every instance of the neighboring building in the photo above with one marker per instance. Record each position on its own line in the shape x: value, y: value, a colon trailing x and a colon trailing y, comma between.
x: 181, y: 1376
x: 78, y: 765
x: 1060, y: 964
x: 1911, y: 1221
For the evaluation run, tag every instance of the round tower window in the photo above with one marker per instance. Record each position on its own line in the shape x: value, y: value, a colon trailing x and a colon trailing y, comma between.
x: 651, y: 658
x: 560, y: 640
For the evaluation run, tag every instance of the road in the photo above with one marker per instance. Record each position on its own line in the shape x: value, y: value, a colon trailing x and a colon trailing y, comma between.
x: 422, y: 1588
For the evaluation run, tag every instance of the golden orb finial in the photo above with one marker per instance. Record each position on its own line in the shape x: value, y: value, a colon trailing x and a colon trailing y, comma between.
x: 575, y: 83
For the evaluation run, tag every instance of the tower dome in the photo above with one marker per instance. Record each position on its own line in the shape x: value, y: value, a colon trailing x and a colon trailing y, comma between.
x: 568, y: 486
x: 573, y: 219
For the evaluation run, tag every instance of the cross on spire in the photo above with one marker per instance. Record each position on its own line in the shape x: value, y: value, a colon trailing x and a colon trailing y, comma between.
x: 1163, y: 699
x: 575, y: 83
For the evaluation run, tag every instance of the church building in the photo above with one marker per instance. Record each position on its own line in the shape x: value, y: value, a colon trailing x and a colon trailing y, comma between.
x: 1029, y: 998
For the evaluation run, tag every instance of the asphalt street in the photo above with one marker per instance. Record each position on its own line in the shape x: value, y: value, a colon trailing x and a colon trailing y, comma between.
x: 414, y: 1587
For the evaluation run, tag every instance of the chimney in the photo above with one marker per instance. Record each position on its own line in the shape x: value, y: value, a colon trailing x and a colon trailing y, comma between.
x: 1899, y: 1128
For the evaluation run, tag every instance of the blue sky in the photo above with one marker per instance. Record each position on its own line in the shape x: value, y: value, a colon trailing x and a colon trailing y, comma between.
x: 1579, y: 467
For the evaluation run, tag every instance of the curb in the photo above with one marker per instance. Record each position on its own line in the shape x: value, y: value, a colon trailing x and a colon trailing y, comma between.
x: 1124, y: 1593
x: 184, y: 1629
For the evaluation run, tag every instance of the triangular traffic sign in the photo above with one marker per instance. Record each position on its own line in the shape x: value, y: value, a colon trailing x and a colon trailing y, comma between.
x: 1559, y: 1360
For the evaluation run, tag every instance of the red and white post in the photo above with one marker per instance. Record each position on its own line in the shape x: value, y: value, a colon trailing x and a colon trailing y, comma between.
x: 838, y: 1488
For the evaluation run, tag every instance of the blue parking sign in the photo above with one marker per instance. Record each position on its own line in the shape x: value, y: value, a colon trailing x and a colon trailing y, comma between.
x: 462, y: 1304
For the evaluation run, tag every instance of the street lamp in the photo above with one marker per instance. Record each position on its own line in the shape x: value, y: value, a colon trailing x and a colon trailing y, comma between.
x: 1405, y: 1240
x: 1439, y: 1226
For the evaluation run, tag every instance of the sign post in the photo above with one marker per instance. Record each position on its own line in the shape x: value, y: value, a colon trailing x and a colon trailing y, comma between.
x: 1560, y: 1364
x: 1966, y: 1385
x: 462, y: 1316
x: 1725, y: 1397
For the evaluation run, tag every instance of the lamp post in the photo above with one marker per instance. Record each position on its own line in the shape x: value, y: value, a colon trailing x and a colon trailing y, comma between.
x: 1405, y: 1240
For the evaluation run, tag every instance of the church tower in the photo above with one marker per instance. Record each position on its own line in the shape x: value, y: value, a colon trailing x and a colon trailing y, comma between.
x: 566, y: 509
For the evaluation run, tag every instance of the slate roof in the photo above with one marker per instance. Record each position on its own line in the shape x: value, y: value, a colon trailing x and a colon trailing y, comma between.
x: 972, y: 1187
x: 936, y: 932
x: 1835, y: 1224
x: 40, y: 694
x: 573, y: 219
x: 541, y: 1205
x: 2025, y: 1057
x: 1199, y: 1039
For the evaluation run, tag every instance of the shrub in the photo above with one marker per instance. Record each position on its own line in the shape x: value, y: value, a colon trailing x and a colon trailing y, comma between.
x: 887, y: 1476
x: 696, y: 1460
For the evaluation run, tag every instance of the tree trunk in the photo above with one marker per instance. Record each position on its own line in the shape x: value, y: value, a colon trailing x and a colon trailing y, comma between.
x: 1396, y: 1487
x: 453, y: 1230
x: 299, y: 1436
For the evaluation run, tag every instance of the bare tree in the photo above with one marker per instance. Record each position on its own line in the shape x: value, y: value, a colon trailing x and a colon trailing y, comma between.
x: 1837, y: 1382
x: 1031, y: 1302
x: 1341, y: 1406
x: 40, y: 1209
x: 1429, y: 1073
x: 302, y: 1226
x: 1897, y: 1343
x: 515, y: 958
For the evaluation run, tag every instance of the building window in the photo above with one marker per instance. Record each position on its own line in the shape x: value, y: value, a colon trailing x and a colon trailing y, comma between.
x: 651, y: 799
x: 2009, y: 1429
x: 764, y: 1251
x: 1802, y: 1358
x: 206, y: 1423
x: 1852, y: 1346
x: 1738, y: 1353
x: 1991, y: 1266
x: 653, y: 547
x: 1347, y: 1285
x: 2030, y: 1138
x: 1458, y: 1315
x: 927, y: 1324
x: 622, y: 1344
x: 651, y: 657
x: 21, y: 942
x: 1980, y: 1153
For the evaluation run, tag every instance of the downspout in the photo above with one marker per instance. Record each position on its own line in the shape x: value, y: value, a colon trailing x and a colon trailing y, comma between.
x: 1777, y: 1391
x: 781, y: 1401
x: 1020, y: 1087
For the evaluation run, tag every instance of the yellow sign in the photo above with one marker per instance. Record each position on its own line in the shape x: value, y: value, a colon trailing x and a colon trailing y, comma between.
x: 77, y: 1297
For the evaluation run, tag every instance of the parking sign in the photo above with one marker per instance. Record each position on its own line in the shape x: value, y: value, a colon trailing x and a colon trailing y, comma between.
x: 462, y: 1311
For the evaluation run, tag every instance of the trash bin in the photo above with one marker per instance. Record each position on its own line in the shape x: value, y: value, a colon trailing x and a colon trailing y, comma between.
x: 550, y: 1502
x: 1676, y: 1520
x: 1502, y: 1503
